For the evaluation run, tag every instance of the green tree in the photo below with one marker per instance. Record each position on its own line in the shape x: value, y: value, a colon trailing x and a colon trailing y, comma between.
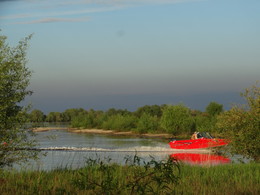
x: 14, y: 80
x: 69, y: 114
x: 147, y: 123
x: 54, y: 117
x: 241, y: 124
x: 120, y: 122
x: 113, y: 111
x: 214, y: 108
x: 37, y: 116
x: 204, y: 122
x: 153, y: 110
x: 84, y: 121
x: 50, y: 117
x: 177, y: 119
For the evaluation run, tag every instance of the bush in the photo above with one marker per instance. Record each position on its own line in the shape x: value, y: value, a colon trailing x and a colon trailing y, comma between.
x: 120, y: 122
x: 205, y: 123
x: 214, y: 108
x: 147, y: 123
x: 242, y: 125
x: 177, y: 119
x: 83, y: 121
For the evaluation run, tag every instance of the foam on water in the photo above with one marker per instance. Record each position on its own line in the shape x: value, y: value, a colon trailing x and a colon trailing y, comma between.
x: 130, y: 149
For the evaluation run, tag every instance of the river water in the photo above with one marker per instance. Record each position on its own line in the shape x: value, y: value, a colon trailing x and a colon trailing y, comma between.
x: 66, y: 149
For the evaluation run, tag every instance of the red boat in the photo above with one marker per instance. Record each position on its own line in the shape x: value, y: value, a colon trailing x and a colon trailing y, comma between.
x: 205, y: 140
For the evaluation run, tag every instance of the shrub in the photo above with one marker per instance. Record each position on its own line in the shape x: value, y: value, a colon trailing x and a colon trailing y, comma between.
x: 177, y: 119
x: 120, y: 122
x: 242, y: 124
x: 147, y: 123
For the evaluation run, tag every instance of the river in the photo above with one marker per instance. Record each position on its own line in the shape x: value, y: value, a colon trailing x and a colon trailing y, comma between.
x: 66, y: 149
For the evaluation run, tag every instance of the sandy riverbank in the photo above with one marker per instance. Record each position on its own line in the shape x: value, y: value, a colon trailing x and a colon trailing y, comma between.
x: 41, y: 129
x: 101, y: 131
x: 112, y: 132
x: 98, y: 131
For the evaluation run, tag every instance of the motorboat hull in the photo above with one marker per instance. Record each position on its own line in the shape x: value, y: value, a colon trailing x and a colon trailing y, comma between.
x: 197, y: 143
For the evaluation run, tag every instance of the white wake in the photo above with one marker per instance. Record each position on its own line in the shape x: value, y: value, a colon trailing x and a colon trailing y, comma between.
x: 130, y: 149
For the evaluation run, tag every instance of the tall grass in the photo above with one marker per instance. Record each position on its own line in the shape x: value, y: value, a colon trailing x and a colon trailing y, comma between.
x: 222, y: 179
x: 136, y: 177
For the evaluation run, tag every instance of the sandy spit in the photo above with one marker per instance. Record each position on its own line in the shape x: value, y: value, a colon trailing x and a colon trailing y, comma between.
x: 112, y: 132
x: 40, y: 129
x: 96, y: 131
x: 100, y: 131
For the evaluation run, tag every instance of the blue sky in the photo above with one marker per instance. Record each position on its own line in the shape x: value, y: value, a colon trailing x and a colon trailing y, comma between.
x: 126, y: 54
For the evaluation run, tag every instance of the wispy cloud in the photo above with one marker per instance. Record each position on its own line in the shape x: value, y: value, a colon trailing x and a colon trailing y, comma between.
x: 63, y: 13
x: 51, y: 20
x: 15, y: 16
x: 54, y: 11
x: 117, y: 2
x: 7, y: 0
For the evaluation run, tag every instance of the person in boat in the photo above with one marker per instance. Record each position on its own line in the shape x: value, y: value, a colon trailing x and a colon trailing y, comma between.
x: 196, y: 135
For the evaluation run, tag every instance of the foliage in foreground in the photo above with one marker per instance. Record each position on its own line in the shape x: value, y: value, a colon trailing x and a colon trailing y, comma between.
x: 14, y: 80
x: 151, y: 177
x: 97, y: 177
x: 242, y: 125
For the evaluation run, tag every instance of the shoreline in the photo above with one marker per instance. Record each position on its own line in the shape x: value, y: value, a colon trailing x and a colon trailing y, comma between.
x: 103, y: 131
x: 42, y: 129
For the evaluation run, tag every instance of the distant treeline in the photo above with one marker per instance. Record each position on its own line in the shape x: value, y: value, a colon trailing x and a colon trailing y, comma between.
x: 173, y: 119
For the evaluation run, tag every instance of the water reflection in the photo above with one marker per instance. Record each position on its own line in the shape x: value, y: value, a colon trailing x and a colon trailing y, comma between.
x: 76, y: 159
x: 200, y: 158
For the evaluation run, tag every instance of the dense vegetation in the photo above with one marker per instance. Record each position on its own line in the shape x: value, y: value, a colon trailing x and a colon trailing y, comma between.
x: 172, y: 119
x: 165, y: 177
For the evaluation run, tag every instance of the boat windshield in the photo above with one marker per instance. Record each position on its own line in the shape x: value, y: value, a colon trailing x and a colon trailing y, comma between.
x: 206, y: 135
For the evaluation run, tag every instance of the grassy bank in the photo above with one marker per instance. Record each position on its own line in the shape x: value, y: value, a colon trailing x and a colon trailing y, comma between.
x: 152, y: 178
x: 223, y: 179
